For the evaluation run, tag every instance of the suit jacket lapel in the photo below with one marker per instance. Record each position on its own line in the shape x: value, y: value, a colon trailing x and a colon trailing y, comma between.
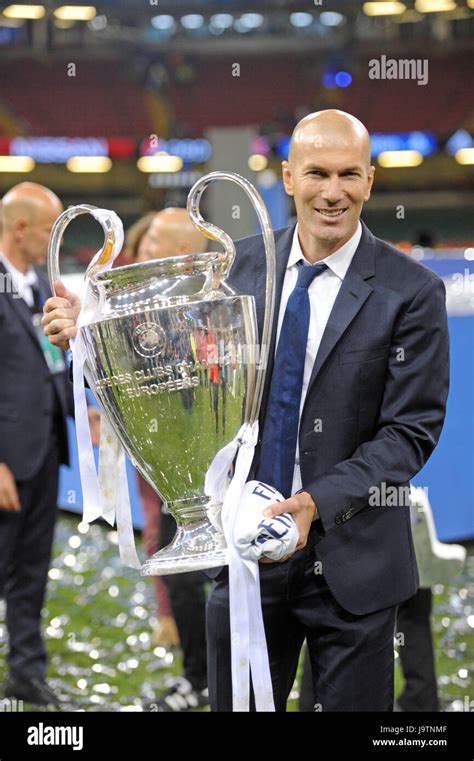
x: 282, y: 251
x: 22, y: 311
x: 43, y: 286
x: 353, y: 293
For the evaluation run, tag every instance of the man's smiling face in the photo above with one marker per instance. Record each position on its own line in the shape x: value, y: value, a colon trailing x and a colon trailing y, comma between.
x: 329, y: 176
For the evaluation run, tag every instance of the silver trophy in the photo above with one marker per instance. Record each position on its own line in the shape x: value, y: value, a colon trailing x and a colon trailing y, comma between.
x: 175, y: 363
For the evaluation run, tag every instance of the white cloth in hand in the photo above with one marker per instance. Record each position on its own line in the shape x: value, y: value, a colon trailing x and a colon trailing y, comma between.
x: 256, y: 536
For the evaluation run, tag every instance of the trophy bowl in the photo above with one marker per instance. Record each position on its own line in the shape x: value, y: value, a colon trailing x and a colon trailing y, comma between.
x: 176, y: 374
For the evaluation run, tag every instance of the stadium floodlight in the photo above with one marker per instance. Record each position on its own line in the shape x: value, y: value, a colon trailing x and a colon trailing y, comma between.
x: 16, y: 164
x: 24, y: 11
x: 160, y: 162
x: 222, y: 20
x: 98, y: 23
x: 384, y: 8
x: 163, y: 22
x: 465, y: 156
x: 331, y: 18
x: 301, y: 19
x: 460, y: 139
x: 89, y: 164
x: 247, y: 22
x: 434, y: 6
x: 257, y: 162
x: 343, y: 79
x: 399, y: 159
x: 192, y: 21
x: 251, y: 20
x: 75, y: 12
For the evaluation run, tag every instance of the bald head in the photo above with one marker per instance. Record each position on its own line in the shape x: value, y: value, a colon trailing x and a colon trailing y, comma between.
x: 171, y: 233
x: 328, y: 173
x: 27, y: 201
x: 330, y: 128
x: 29, y: 211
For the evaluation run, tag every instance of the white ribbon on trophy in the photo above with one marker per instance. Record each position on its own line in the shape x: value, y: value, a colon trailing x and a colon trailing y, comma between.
x: 247, y: 633
x: 105, y: 494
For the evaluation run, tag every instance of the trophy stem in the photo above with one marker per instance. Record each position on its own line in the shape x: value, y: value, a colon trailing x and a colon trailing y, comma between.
x: 198, y: 543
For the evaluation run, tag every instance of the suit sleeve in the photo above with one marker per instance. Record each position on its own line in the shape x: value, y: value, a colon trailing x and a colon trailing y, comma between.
x: 69, y: 390
x: 411, y: 415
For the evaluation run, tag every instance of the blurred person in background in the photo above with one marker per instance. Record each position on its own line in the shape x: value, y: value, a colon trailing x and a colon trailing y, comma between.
x: 417, y: 660
x: 171, y: 233
x: 35, y: 398
x: 135, y: 246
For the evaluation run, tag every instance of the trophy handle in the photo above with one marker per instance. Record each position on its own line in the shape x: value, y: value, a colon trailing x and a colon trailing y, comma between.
x: 215, y: 233
x: 57, y: 233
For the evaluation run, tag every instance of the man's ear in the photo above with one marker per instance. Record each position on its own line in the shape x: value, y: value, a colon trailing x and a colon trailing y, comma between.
x: 287, y: 178
x: 370, y: 182
x: 20, y: 226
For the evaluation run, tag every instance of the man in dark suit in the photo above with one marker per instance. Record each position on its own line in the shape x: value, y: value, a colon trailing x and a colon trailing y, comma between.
x: 367, y: 412
x: 35, y: 398
x: 353, y: 406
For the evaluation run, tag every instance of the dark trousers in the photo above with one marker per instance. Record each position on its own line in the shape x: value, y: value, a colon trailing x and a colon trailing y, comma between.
x: 416, y: 653
x: 351, y: 656
x: 186, y: 593
x: 26, y: 540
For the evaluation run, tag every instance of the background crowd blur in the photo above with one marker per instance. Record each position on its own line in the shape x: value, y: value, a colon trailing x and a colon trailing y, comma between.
x: 124, y: 104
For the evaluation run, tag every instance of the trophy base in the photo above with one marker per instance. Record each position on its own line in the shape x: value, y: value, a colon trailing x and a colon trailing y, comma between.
x: 198, y: 543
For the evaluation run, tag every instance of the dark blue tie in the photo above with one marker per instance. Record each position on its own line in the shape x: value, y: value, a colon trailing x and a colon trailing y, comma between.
x: 37, y: 300
x: 280, y: 431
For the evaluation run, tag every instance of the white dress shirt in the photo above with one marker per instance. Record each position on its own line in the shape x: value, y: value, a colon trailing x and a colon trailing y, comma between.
x: 322, y: 295
x: 20, y: 282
